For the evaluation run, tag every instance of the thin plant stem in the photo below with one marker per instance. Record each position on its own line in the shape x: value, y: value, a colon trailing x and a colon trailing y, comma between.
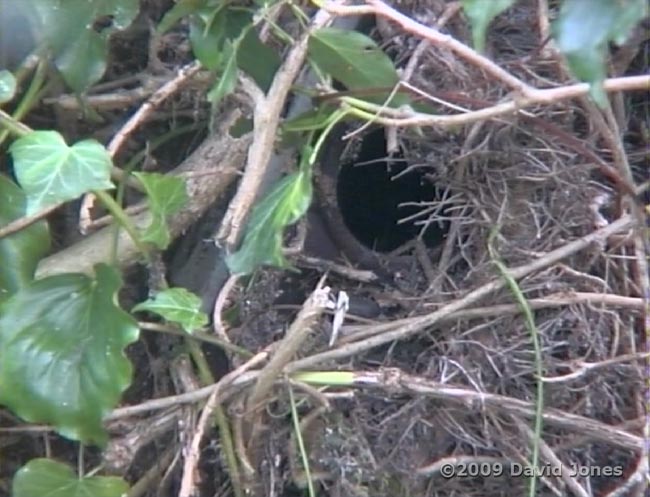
x: 221, y: 420
x: 301, y: 444
x: 529, y: 320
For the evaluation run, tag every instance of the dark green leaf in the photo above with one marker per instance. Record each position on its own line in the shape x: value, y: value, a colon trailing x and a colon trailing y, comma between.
x: 177, y: 12
x: 583, y: 31
x: 48, y: 478
x: 83, y: 63
x: 21, y: 251
x: 258, y: 60
x: 207, y: 44
x: 228, y: 79
x: 49, y: 171
x: 177, y: 305
x: 210, y: 32
x: 62, y: 361
x: 166, y: 195
x: 355, y: 60
x: 286, y: 203
x: 7, y: 86
x: 77, y: 32
x: 480, y: 14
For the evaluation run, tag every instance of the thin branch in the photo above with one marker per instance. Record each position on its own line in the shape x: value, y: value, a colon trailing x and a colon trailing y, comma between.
x: 214, y: 400
x: 147, y: 108
x: 295, y: 336
x: 266, y: 119
x: 410, y: 118
x: 562, y: 299
x: 25, y: 221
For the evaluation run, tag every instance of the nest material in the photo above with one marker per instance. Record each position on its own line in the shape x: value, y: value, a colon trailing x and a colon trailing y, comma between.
x: 514, y: 176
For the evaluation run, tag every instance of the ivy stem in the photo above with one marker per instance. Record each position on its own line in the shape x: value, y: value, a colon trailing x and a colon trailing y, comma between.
x: 26, y: 103
x: 11, y: 125
x: 227, y: 444
x: 123, y: 219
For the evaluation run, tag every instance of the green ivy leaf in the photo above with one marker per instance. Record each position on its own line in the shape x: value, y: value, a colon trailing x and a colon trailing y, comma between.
x: 21, y: 251
x: 49, y: 171
x: 207, y: 43
x: 83, y: 63
x: 74, y: 30
x: 355, y: 60
x: 177, y: 305
x: 583, y: 30
x: 48, y: 478
x: 166, y: 195
x: 228, y: 78
x: 212, y: 30
x: 258, y: 60
x: 7, y: 86
x: 181, y: 9
x: 62, y: 361
x: 283, y: 206
x: 480, y: 14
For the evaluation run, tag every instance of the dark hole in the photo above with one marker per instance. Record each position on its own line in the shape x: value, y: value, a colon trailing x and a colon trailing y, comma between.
x: 370, y: 192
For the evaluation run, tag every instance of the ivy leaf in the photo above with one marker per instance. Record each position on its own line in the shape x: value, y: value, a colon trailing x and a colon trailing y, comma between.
x: 181, y: 9
x: 480, y: 14
x: 49, y: 171
x: 177, y: 305
x: 207, y: 41
x: 355, y: 60
x: 77, y: 32
x: 45, y: 477
x: 283, y: 206
x: 211, y: 32
x: 7, y: 86
x: 228, y: 78
x: 83, y: 63
x: 62, y: 361
x: 166, y: 195
x: 583, y: 30
x: 21, y: 251
x: 258, y: 60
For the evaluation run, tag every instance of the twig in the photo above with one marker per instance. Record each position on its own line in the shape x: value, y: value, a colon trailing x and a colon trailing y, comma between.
x: 147, y: 108
x: 584, y: 367
x: 25, y: 221
x: 326, y: 265
x: 450, y: 11
x: 153, y: 474
x: 197, y: 335
x: 220, y: 302
x: 288, y: 346
x: 229, y: 386
x: 402, y: 383
x: 410, y: 118
x: 553, y: 459
x: 193, y: 456
x: 266, y: 119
